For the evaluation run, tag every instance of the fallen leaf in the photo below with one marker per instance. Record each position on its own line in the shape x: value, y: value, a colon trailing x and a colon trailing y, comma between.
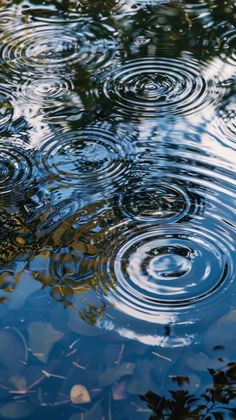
x: 202, y: 362
x: 111, y: 375
x: 16, y: 410
x: 19, y: 382
x: 79, y: 395
x: 141, y: 381
x: 12, y: 350
x: 222, y: 333
x: 42, y: 337
x: 118, y: 391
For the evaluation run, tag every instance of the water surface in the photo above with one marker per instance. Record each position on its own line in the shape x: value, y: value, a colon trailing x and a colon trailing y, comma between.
x: 117, y: 217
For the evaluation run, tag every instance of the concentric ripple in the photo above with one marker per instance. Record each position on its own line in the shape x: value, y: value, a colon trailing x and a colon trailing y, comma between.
x: 88, y: 157
x: 165, y: 203
x: 155, y: 86
x: 45, y: 90
x: 15, y: 169
x: 168, y: 266
x: 161, y: 276
x: 9, y: 17
x: 54, y: 46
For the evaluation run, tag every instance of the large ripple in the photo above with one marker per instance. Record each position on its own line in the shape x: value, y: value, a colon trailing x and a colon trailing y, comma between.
x: 53, y: 47
x: 156, y: 270
x: 156, y: 86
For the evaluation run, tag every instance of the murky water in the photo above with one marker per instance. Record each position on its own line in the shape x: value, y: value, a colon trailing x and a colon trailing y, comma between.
x: 117, y: 218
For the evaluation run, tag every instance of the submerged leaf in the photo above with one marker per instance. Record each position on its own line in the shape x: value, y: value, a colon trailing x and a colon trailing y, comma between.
x: 16, y: 410
x: 42, y: 337
x: 141, y: 381
x: 222, y: 333
x: 79, y: 395
x: 202, y: 362
x: 19, y: 382
x: 111, y: 375
x: 12, y: 350
x: 119, y: 391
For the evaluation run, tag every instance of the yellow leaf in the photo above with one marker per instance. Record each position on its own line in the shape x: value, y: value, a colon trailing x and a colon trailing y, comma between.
x: 79, y: 395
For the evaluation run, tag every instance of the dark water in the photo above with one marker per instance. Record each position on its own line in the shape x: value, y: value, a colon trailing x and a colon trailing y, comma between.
x: 117, y: 217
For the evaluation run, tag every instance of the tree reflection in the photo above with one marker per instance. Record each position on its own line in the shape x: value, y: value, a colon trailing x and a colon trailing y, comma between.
x: 210, y: 405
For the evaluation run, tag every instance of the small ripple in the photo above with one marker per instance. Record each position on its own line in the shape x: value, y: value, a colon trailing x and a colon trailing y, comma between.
x: 222, y: 39
x: 9, y: 17
x: 154, y: 87
x: 164, y: 203
x: 89, y: 157
x: 46, y: 90
x: 141, y: 40
x: 16, y: 169
x: 48, y: 47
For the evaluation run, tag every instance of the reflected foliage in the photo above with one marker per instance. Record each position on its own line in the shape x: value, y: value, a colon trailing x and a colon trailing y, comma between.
x: 216, y: 400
